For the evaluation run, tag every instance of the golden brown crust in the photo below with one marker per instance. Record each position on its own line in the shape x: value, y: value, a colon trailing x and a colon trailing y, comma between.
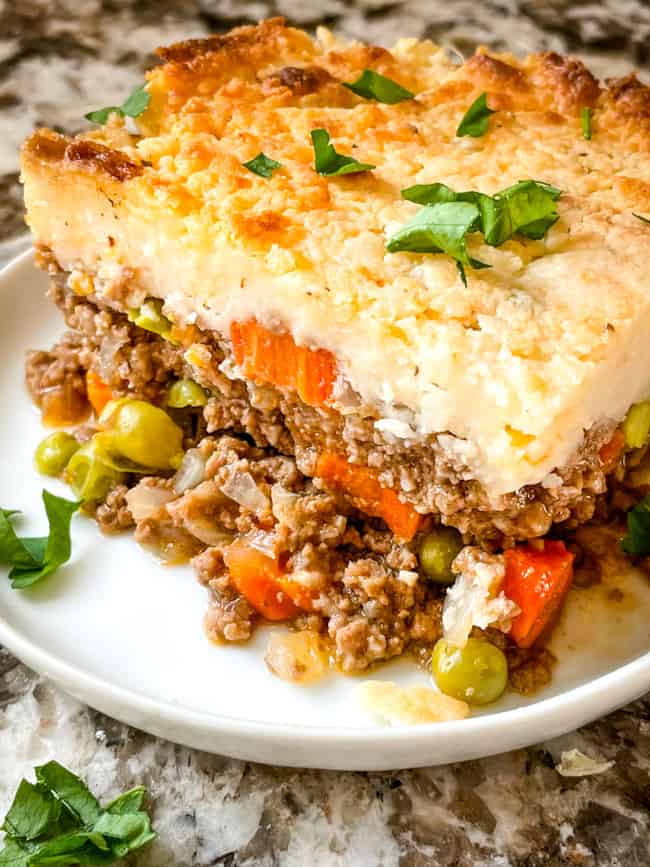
x: 533, y: 338
x: 300, y: 80
x: 239, y: 41
x: 218, y: 101
x: 49, y: 146
x: 493, y: 73
x: 46, y: 145
x: 547, y: 81
x: 630, y: 97
x: 100, y: 158
x: 566, y: 80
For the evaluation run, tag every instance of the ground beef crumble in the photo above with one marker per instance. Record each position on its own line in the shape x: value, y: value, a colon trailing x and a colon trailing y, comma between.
x: 113, y: 514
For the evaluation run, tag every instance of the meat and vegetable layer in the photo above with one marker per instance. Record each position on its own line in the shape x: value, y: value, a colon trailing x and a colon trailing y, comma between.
x: 237, y: 476
x: 361, y: 333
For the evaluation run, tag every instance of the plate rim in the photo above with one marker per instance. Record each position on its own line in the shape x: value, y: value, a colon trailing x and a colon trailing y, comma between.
x: 549, y: 716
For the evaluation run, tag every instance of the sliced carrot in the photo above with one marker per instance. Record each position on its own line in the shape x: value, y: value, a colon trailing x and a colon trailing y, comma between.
x: 99, y: 393
x: 260, y: 580
x: 537, y: 580
x: 365, y: 491
x: 302, y: 596
x: 273, y: 357
x: 611, y: 451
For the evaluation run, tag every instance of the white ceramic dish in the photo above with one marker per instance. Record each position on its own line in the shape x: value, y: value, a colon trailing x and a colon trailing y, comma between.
x: 124, y: 634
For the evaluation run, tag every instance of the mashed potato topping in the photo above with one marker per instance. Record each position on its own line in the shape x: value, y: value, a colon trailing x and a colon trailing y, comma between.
x: 510, y: 369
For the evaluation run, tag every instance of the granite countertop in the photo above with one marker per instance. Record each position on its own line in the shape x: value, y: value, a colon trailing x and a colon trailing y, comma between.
x: 58, y: 59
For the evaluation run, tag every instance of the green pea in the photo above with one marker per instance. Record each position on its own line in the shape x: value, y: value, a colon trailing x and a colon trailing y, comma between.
x: 476, y: 673
x: 141, y: 433
x: 636, y: 426
x: 186, y: 392
x: 89, y: 476
x: 149, y: 316
x: 438, y: 550
x: 53, y: 453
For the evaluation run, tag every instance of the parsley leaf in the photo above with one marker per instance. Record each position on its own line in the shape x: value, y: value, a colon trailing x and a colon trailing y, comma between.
x: 327, y: 161
x: 637, y: 538
x: 372, y: 85
x: 32, y: 558
x: 70, y: 790
x: 12, y: 551
x: 643, y: 219
x: 13, y: 855
x: 585, y: 120
x: 476, y: 118
x: 432, y: 194
x: 527, y: 207
x: 59, y: 821
x: 32, y: 811
x: 133, y: 106
x: 129, y: 802
x: 262, y: 165
x: 440, y: 228
x: 136, y: 103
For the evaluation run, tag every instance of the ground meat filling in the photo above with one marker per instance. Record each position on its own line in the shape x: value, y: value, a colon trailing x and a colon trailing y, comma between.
x: 365, y: 592
x: 135, y: 361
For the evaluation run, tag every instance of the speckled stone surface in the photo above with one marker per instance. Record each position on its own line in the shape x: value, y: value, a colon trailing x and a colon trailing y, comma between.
x: 58, y: 59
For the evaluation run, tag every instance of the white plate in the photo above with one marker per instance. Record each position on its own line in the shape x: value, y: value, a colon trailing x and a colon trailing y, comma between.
x: 124, y: 634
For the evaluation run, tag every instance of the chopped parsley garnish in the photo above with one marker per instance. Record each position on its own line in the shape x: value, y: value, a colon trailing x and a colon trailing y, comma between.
x: 327, y: 161
x: 133, y: 106
x: 372, y: 85
x: 526, y: 208
x: 585, y: 120
x: 33, y: 558
x: 57, y: 820
x: 440, y: 228
x: 262, y: 165
x: 643, y: 219
x: 476, y: 119
x: 637, y: 538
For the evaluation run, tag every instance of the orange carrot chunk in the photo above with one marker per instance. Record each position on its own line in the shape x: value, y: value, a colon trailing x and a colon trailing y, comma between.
x: 268, y: 356
x: 299, y: 594
x: 98, y: 392
x: 363, y: 487
x: 537, y: 580
x: 610, y: 452
x: 260, y: 580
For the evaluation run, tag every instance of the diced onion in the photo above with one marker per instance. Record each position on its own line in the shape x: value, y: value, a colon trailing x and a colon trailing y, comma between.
x: 475, y: 599
x: 207, y: 532
x: 299, y: 657
x: 191, y: 471
x: 284, y: 505
x: 242, y: 488
x: 108, y: 350
x: 263, y: 542
x: 145, y: 499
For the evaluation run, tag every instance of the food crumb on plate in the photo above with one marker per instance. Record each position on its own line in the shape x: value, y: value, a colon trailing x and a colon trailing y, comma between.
x: 409, y: 705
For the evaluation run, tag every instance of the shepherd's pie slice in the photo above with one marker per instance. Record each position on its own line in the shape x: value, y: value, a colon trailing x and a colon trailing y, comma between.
x: 458, y: 395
